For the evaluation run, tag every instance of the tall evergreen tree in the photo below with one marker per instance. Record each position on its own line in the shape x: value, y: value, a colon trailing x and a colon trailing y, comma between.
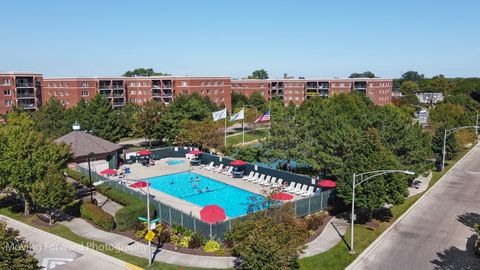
x: 104, y: 121
x: 51, y: 120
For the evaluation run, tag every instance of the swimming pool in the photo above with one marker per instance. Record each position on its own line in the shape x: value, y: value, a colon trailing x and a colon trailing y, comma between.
x: 175, y: 162
x: 181, y: 185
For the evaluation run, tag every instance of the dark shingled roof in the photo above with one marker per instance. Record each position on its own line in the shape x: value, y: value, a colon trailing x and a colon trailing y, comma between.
x: 83, y: 143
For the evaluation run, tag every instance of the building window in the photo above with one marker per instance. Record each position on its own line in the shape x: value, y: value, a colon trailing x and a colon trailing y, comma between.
x: 202, y: 83
x: 342, y: 84
x: 371, y: 84
x: 261, y: 85
x: 215, y: 83
x: 68, y: 101
x: 144, y: 92
x: 215, y: 91
x: 221, y: 91
x: 67, y: 94
x: 222, y: 99
x: 49, y: 92
x: 184, y: 92
x: 56, y: 93
x: 132, y: 99
x: 7, y: 92
x: 6, y: 81
x: 84, y: 84
x: 132, y: 92
x: 132, y: 84
x: 222, y: 83
x: 208, y: 91
x: 62, y: 93
x: 145, y: 84
x: 54, y: 84
x: 48, y: 84
x: 84, y: 93
x: 8, y: 102
x: 139, y: 92
x: 184, y: 83
x: 209, y: 82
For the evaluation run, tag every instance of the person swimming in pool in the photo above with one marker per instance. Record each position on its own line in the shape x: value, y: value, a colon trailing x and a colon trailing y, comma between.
x: 197, y: 179
x: 194, y: 185
x: 199, y: 191
x: 171, y: 182
x: 206, y: 189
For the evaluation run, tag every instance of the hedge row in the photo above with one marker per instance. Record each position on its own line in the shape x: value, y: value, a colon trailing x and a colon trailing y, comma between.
x: 127, y: 217
x: 76, y: 175
x: 117, y: 195
x: 97, y: 216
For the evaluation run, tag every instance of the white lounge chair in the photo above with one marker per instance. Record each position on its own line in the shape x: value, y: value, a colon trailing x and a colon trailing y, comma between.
x: 279, y: 183
x: 229, y: 171
x: 260, y: 179
x: 254, y: 177
x: 224, y: 170
x: 271, y: 182
x: 248, y: 176
x: 209, y: 167
x: 297, y: 188
x: 309, y: 192
x: 290, y: 187
x: 267, y: 179
x: 302, y: 190
x: 219, y: 168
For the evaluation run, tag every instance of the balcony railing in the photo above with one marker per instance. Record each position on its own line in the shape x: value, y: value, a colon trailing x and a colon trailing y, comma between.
x: 106, y: 86
x: 25, y: 95
x: 24, y: 84
x: 27, y: 105
x: 117, y: 86
x: 118, y: 95
x: 116, y: 104
x: 156, y: 86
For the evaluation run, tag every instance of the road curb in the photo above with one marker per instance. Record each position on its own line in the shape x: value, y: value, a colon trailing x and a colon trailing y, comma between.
x: 380, y: 239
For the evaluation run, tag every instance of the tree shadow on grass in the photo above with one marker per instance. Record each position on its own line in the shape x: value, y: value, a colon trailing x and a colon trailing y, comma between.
x: 456, y: 259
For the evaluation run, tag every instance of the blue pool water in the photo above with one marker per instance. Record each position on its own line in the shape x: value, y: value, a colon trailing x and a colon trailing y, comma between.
x: 232, y: 199
x: 175, y: 162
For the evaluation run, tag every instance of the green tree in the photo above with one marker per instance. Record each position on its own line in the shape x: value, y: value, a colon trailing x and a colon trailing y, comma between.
x: 104, y: 120
x: 26, y: 156
x: 409, y: 88
x: 143, y: 72
x: 238, y: 101
x: 451, y: 146
x: 413, y: 76
x: 15, y: 252
x: 51, y: 120
x: 260, y: 74
x: 270, y: 240
x: 440, y: 84
x: 80, y: 114
x: 203, y: 134
x: 127, y: 119
x: 53, y: 192
x: 366, y: 74
x: 257, y: 101
x: 147, y: 118
x: 449, y: 115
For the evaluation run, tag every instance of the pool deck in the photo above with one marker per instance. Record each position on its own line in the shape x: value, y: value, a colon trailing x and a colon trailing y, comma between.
x: 162, y: 168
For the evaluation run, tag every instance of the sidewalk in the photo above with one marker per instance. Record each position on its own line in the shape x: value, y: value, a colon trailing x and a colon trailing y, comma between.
x: 419, y: 185
x: 61, y: 254
x: 125, y: 244
x: 328, y: 238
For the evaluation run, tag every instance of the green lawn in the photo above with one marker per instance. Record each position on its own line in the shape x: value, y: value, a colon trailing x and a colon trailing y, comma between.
x: 339, y: 258
x: 65, y: 232
x: 249, y: 136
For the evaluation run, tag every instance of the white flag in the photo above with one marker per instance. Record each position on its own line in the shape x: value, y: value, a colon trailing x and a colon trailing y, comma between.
x: 238, y: 116
x: 220, y: 114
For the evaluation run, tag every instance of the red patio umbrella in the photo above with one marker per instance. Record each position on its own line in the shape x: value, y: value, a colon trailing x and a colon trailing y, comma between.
x: 282, y: 196
x: 238, y: 162
x: 108, y: 171
x: 327, y: 183
x: 144, y: 153
x: 212, y: 214
x: 139, y: 184
x: 195, y: 152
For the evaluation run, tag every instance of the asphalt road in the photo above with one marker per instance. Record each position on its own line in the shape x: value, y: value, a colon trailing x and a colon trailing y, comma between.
x: 437, y: 233
x: 54, y: 252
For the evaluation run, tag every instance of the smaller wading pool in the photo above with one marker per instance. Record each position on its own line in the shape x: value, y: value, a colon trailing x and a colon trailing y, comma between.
x: 175, y: 162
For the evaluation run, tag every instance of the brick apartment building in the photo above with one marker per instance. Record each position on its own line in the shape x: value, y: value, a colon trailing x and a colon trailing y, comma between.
x: 30, y: 90
x: 297, y: 90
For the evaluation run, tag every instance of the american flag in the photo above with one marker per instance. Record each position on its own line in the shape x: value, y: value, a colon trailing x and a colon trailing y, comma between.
x: 263, y: 118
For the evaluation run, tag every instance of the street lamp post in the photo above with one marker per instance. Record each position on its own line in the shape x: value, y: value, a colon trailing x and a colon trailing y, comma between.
x: 448, y: 132
x: 90, y: 176
x: 368, y: 175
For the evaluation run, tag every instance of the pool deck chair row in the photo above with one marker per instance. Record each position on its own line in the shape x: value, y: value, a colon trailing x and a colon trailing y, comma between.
x: 261, y: 179
x: 299, y: 189
x: 220, y: 169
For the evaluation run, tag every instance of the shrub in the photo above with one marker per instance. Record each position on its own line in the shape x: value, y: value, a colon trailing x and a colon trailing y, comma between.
x: 73, y: 209
x: 179, y: 229
x: 97, y: 216
x: 117, y: 195
x: 211, y: 246
x: 314, y: 221
x: 78, y: 176
x: 127, y: 217
x: 220, y: 252
x: 141, y: 231
x: 175, y: 240
x: 197, y: 240
x: 164, y: 236
x: 185, y: 241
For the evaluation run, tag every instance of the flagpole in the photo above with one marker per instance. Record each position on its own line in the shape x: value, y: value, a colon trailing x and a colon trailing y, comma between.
x: 225, y: 128
x: 243, y: 127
